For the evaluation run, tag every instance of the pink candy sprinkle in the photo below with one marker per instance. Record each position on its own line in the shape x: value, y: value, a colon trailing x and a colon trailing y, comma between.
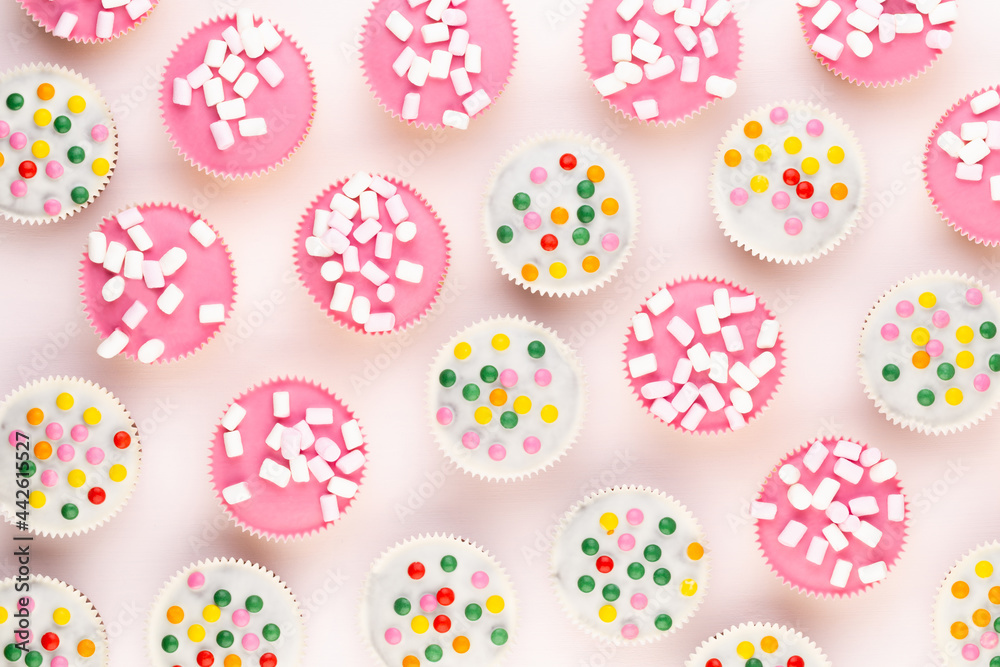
x: 940, y: 319
x: 780, y: 200
x: 99, y: 133
x: 65, y: 452
x: 890, y: 332
x: 610, y: 242
x: 428, y: 603
x: 634, y: 517
x: 480, y: 580
x: 970, y: 652
x: 18, y: 141
x: 19, y: 188
x: 95, y: 455
x: 630, y: 631
x: 793, y: 226
x: 497, y: 452
x: 532, y: 444
x: 79, y: 433
x: 935, y: 348
x: 532, y: 220
x: 393, y: 636
x: 50, y: 478
x: 30, y: 606
x: 196, y: 580
x: 981, y: 382
x: 4, y: 129
x: 626, y: 542
x: 543, y: 377
x: 240, y: 617
x: 904, y: 308
x: 470, y: 439
x: 508, y: 378
x: 250, y: 641
x: 12, y: 438
x: 779, y: 115
x: 639, y: 601
x: 53, y: 169
x: 54, y: 431
x: 738, y: 197
x: 59, y: 661
x: 52, y: 207
x: 814, y: 128
x: 974, y: 297
x: 820, y: 210
x: 989, y: 640
x: 538, y: 175
x: 444, y: 416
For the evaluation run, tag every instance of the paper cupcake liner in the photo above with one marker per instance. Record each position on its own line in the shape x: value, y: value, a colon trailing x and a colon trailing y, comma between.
x: 776, y: 568
x: 177, y: 141
x: 941, y: 204
x: 717, y: 207
x: 344, y: 320
x: 905, y: 74
x: 779, y: 369
x: 218, y: 429
x: 483, y: 472
x: 96, y: 98
x: 10, y: 515
x: 370, y: 76
x: 629, y: 115
x: 490, y: 239
x: 48, y: 23
x: 363, y: 624
x: 680, y: 510
x: 866, y: 380
x: 251, y: 566
x: 941, y: 629
x: 100, y: 657
x: 817, y: 659
x: 95, y: 297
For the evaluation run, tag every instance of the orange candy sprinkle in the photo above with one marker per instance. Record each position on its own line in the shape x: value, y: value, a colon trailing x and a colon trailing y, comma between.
x: 411, y: 661
x: 498, y: 397
x: 46, y: 91
x: 595, y: 174
x: 461, y: 644
x: 960, y: 589
x: 732, y: 158
x: 959, y: 630
x: 529, y: 272
x: 921, y: 359
x: 591, y: 264
x: 838, y: 191
x: 35, y: 416
x: 752, y: 129
x: 609, y: 206
x: 994, y: 595
x: 43, y: 450
x: 560, y: 215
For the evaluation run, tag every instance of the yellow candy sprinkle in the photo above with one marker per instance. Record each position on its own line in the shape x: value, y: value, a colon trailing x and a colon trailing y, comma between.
x: 91, y: 416
x: 560, y: 215
x: 835, y: 155
x: 175, y: 614
x: 76, y: 104
x: 607, y: 613
x: 838, y: 191
x: 36, y: 499
x: 64, y: 401
x: 483, y: 415
x: 419, y: 624
x: 549, y: 414
x: 522, y: 405
x: 689, y: 587
x: 595, y: 174
x: 61, y: 616
x: 498, y: 397
x: 76, y: 478
x: 759, y: 184
x: 86, y: 648
x: 927, y: 300
x: 762, y: 153
x: 609, y: 206
x: 732, y: 158
x: 46, y: 91
x: 557, y: 270
x: 529, y: 272
x: 40, y: 149
x: 42, y: 117
x: 100, y: 166
x: 609, y: 521
x: 964, y: 359
x: 463, y: 350
x: 232, y: 660
x: 591, y: 264
x: 981, y: 618
x: 793, y: 145
x: 695, y: 551
x: 500, y: 342
x: 960, y: 589
x: 745, y: 650
x: 196, y: 633
x: 768, y: 644
x: 984, y: 568
x: 117, y: 472
x: 964, y: 335
x: 810, y: 165
x: 494, y: 604
x: 3, y: 615
x: 752, y: 129
x: 35, y: 416
x: 953, y: 396
x: 920, y: 336
x: 211, y: 613
x: 959, y: 630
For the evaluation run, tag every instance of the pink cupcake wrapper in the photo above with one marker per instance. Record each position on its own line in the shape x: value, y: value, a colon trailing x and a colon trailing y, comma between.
x: 48, y: 24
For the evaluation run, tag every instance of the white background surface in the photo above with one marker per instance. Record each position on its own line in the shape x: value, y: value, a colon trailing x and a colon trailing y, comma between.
x: 172, y: 519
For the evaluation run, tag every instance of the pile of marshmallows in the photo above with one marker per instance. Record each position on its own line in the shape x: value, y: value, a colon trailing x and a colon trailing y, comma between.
x: 223, y: 55
x: 105, y: 18
x: 656, y: 64
x: 444, y: 26
x: 134, y: 265
x: 977, y: 139
x: 869, y: 15
x: 292, y: 442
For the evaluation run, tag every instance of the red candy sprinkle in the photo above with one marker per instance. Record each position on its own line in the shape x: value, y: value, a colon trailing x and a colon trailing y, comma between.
x: 713, y: 663
x: 604, y: 564
x: 96, y: 495
x: 50, y: 641
x: 205, y: 659
x: 442, y: 623
x: 27, y: 169
x: 804, y: 190
x: 549, y: 242
x: 796, y: 661
x: 568, y: 162
x: 445, y: 596
x: 416, y: 570
x: 122, y: 440
x: 268, y: 660
x: 791, y: 176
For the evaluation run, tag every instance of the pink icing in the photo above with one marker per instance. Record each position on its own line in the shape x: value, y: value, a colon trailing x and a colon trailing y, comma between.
x: 676, y: 100
x: 47, y: 12
x: 205, y: 278
x: 904, y: 57
x: 489, y: 25
x: 532, y: 445
x: 287, y: 109
x: 790, y: 563
x: 689, y: 294
x: 295, y: 509
x: 429, y: 248
x: 965, y: 205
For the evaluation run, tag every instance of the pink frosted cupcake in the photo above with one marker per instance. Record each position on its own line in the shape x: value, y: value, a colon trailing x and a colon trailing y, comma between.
x: 437, y: 63
x: 831, y: 518
x: 372, y: 253
x: 661, y: 61
x: 158, y: 283
x: 238, y: 96
x: 704, y: 355
x: 287, y: 459
x: 960, y: 169
x: 88, y: 21
x: 877, y: 43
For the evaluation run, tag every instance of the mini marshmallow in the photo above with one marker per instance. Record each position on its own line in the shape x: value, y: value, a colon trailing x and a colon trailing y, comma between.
x: 664, y: 7
x: 743, y: 376
x: 105, y: 24
x: 848, y: 450
x: 975, y: 130
x: 814, y: 458
x: 271, y: 73
x: 763, y: 364
x: 234, y: 443
x: 244, y: 18
x: 826, y: 14
x: 182, y: 92
x: 609, y: 85
x: 984, y: 102
x: 863, y: 21
x: 789, y: 474
x: 717, y: 12
x: 137, y: 8
x: 742, y: 304
x: 320, y: 469
x: 215, y: 53
x: 231, y: 68
x: 895, y: 508
x: 700, y: 361
x: 689, y: 69
x: 399, y: 26
x: 379, y: 322
x: 129, y: 217
x: 198, y: 76
x: 641, y: 366
x: 351, y: 260
x: 708, y: 319
x: 627, y: 9
x: 662, y: 409
x: 344, y: 205
x: 799, y: 496
x: 768, y: 335
x: 133, y: 316
x: 646, y: 52
x: 343, y: 294
x: 440, y: 64
x: 949, y: 142
x: 817, y: 550
x: 97, y: 247
x: 376, y: 275
x: 848, y: 471
x: 680, y: 330
x: 869, y: 574
x: 682, y: 371
x: 409, y: 272
x: 113, y: 289
x: 868, y: 534
x: 385, y: 293
x: 938, y: 39
x: 403, y: 61
x: 850, y: 524
x: 687, y: 16
x: 169, y: 299
x: 859, y: 43
x: 367, y: 230
x: 331, y: 271
x: 132, y: 267
x: 825, y: 492
x: 233, y: 41
x: 712, y: 398
x: 686, y: 36
x: 835, y: 537
x: 281, y: 404
x: 741, y: 400
x: 827, y: 46
x: 317, y: 248
x: 863, y: 505
x: 792, y: 534
x: 396, y: 209
x: 271, y: 37
x: 299, y: 468
x: 659, y: 302
x: 252, y: 127
x: 246, y: 84
x: 764, y: 511
x: 732, y: 338
x: 886, y: 28
x: 718, y: 369
x: 995, y: 188
x: 910, y: 23
x: 434, y: 33
x: 870, y: 456
x: 327, y: 449
x: 459, y: 42
x: 478, y: 101
x: 211, y: 313
x: 350, y: 462
x: 382, y: 187
x: 383, y: 245
x: 351, y: 432
x: 709, y: 46
x: 222, y: 134
x: 659, y: 389
x: 234, y: 415
x: 319, y: 416
x: 236, y: 493
x: 273, y: 439
x: 883, y: 472
x: 152, y: 274
x: 693, y: 417
x: 685, y: 397
x: 837, y: 512
x: 454, y: 17
x: 645, y: 31
x: 342, y: 487
x: 291, y: 443
x: 329, y: 506
x: 841, y: 573
x: 274, y: 472
x: 307, y: 437
x: 662, y: 67
x: 411, y: 106
x: 232, y: 109
x: 474, y: 58
x: 943, y: 13
x: 642, y: 327
x: 720, y: 86
x: 460, y: 81
x: 621, y: 47
x: 172, y: 260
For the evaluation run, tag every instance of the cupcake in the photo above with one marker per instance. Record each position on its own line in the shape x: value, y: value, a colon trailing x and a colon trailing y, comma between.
x: 832, y: 521
x: 43, y: 620
x: 237, y: 96
x: 60, y: 144
x: 629, y: 564
x: 758, y: 645
x: 966, y: 622
x: 76, y: 451
x: 372, y: 253
x: 702, y: 380
x: 506, y: 398
x: 287, y: 459
x: 865, y: 44
x: 960, y: 170
x: 661, y: 61
x: 86, y: 21
x: 439, y: 599
x: 225, y: 612
x: 539, y: 187
x: 437, y: 64
x: 787, y: 182
x: 156, y: 310
x: 929, y: 352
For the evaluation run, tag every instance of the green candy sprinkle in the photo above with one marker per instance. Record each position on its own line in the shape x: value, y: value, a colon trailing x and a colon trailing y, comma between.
x: 988, y: 330
x: 652, y: 553
x: 754, y: 662
x: 586, y: 584
x: 489, y: 374
x: 667, y: 526
x: 224, y: 639
x: 70, y: 511
x: 508, y: 419
x: 271, y: 632
x: 585, y: 214
x: 505, y: 234
x: 590, y: 546
x: 995, y: 363
x: 79, y: 195
x: 946, y: 371
x: 581, y: 236
x: 75, y: 154
x: 447, y: 378
x: 661, y: 577
x: 890, y: 372
x: 449, y: 563
x: 611, y: 592
x: 636, y: 571
x: 15, y: 102
x: 12, y: 653
x: 536, y: 349
x: 169, y: 644
x: 470, y: 392
x: 62, y: 124
x: 401, y: 606
x: 499, y: 637
x: 663, y: 622
x: 995, y: 661
x: 28, y: 468
x: 925, y: 397
x: 222, y: 598
x: 254, y: 604
x: 522, y: 201
x: 33, y: 659
x: 585, y: 189
x: 473, y: 612
x: 433, y: 653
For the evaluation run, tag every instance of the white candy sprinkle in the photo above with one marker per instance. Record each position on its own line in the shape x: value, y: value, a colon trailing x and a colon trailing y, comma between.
x: 850, y: 524
x: 768, y: 335
x: 799, y: 496
x: 817, y: 550
x: 234, y: 415
x: 789, y: 474
x: 476, y: 102
x: 646, y: 109
x: 211, y: 313
x: 835, y: 537
x: 133, y: 316
x: 815, y: 456
x: 379, y: 322
x: 680, y: 330
x: 883, y: 472
x: 383, y: 245
x: 273, y: 439
x: 645, y: 31
x: 682, y: 371
x: 374, y: 274
x: 896, y: 509
x: 792, y: 534
x: 454, y: 17
x: 367, y: 230
x: 764, y: 511
x: 640, y: 366
x: 202, y: 233
x: 129, y: 217
x: 385, y: 293
x: 236, y: 493
x: 440, y: 64
x: 252, y: 127
x: 113, y: 289
x: 664, y: 7
x: 841, y: 573
x: 351, y: 432
x: 317, y: 248
x: 459, y: 42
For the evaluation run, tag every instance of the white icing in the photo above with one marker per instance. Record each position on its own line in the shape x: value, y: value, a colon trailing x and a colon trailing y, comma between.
x: 790, y: 643
x: 949, y: 609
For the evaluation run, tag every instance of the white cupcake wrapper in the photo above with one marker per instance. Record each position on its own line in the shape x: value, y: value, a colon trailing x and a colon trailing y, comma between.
x: 941, y: 594
x: 696, y: 660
